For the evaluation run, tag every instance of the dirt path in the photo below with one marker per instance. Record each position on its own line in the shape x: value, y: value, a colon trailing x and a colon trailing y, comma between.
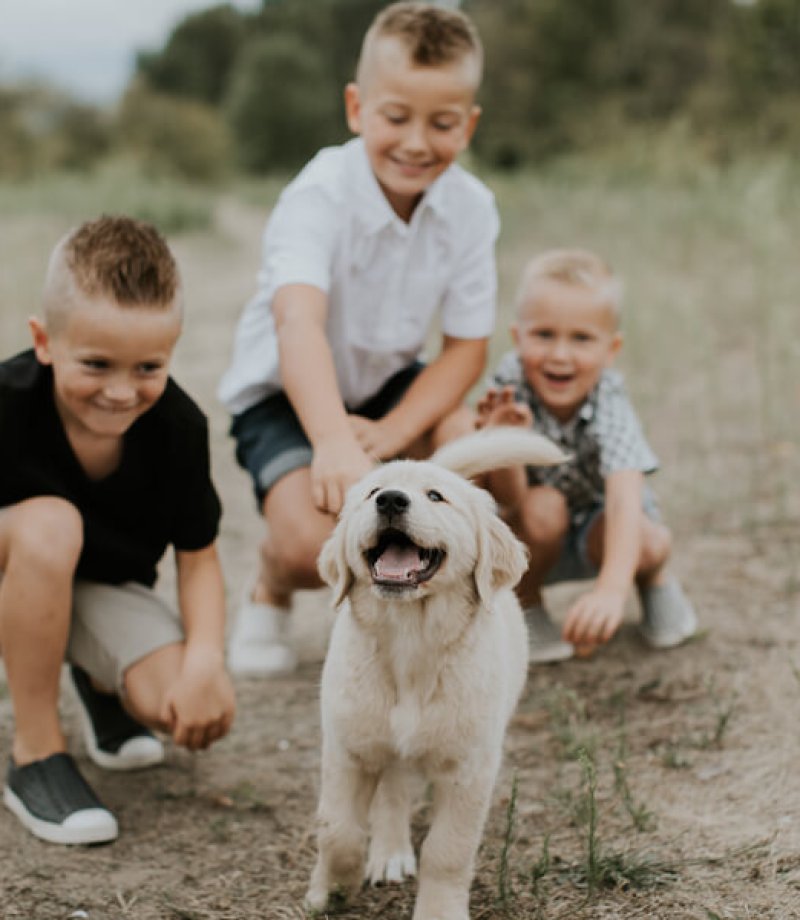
x: 695, y: 751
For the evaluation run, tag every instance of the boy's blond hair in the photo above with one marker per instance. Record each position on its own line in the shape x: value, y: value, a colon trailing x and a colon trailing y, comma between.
x: 432, y: 36
x: 577, y: 267
x: 116, y: 257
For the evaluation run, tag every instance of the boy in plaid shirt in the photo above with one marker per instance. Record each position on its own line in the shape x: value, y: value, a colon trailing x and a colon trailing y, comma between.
x: 593, y: 516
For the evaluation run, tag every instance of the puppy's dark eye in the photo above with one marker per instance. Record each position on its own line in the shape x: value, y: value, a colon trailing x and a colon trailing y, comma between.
x: 435, y: 496
x: 373, y: 492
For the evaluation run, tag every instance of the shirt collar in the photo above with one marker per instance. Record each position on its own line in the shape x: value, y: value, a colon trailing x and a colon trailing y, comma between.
x: 375, y: 211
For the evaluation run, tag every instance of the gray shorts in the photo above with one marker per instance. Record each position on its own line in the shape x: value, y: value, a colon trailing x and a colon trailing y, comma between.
x: 574, y: 563
x: 114, y: 626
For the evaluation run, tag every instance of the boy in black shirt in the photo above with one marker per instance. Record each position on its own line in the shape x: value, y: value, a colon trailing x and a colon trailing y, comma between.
x: 104, y: 463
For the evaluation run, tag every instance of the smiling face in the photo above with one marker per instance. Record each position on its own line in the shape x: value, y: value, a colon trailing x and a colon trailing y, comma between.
x: 415, y: 120
x: 566, y: 335
x: 110, y: 363
x: 412, y: 531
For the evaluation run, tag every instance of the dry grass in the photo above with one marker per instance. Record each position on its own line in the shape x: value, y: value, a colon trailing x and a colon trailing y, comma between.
x: 647, y: 785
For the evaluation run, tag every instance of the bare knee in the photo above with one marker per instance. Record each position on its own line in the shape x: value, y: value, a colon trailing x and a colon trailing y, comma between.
x: 293, y: 553
x: 46, y: 535
x: 656, y: 547
x: 544, y: 518
x: 146, y: 682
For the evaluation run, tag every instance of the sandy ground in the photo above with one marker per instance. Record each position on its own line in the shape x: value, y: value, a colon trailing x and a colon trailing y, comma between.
x: 696, y: 752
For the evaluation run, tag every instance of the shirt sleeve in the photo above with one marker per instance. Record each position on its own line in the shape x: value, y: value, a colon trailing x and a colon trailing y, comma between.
x: 619, y: 434
x: 468, y: 310
x: 197, y: 506
x: 300, y: 239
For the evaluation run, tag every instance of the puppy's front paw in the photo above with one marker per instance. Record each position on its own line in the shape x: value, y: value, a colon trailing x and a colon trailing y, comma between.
x: 318, y: 898
x: 390, y: 867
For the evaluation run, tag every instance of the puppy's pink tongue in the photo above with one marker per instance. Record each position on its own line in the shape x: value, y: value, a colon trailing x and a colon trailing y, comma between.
x: 397, y: 563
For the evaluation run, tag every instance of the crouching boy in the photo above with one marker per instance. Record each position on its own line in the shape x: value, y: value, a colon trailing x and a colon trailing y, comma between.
x: 593, y: 517
x: 104, y: 463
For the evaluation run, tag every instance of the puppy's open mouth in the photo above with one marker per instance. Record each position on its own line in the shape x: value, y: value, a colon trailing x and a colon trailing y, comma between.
x: 397, y: 562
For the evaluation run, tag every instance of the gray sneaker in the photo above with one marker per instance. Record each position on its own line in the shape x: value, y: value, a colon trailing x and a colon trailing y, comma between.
x: 544, y: 639
x: 668, y: 617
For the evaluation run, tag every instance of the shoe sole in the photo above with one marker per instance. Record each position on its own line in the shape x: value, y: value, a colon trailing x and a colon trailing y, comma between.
x: 104, y: 831
x: 664, y: 642
x: 117, y: 762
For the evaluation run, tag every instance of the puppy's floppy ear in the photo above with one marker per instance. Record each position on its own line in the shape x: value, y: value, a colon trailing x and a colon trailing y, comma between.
x: 502, y: 559
x: 332, y: 565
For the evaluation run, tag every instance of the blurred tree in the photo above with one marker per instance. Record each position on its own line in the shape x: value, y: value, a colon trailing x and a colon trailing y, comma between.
x: 42, y: 129
x: 198, y: 57
x: 171, y: 136
x: 566, y: 74
x: 280, y: 105
x: 83, y: 135
x: 17, y: 144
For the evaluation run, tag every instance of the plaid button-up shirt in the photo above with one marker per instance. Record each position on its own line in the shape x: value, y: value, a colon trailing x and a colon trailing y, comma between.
x: 603, y: 437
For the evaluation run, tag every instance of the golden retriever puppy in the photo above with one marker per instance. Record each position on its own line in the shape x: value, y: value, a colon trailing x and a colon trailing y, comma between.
x: 427, y: 659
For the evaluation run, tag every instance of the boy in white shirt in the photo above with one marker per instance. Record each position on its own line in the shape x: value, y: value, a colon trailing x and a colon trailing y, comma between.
x: 370, y: 243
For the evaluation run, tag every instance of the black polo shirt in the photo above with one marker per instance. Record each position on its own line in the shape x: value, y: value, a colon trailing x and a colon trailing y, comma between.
x: 160, y: 495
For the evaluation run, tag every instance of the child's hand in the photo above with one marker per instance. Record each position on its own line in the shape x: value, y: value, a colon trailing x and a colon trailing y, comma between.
x: 500, y: 407
x: 337, y: 464
x: 200, y: 705
x: 594, y: 618
x: 376, y: 438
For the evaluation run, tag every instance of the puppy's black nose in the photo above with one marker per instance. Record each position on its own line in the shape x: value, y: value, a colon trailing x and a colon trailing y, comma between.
x: 391, y: 502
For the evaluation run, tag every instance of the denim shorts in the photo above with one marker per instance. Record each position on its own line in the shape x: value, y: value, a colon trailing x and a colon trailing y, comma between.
x: 270, y: 441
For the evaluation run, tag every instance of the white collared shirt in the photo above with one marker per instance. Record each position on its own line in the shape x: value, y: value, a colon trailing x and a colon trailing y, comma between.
x: 385, y: 279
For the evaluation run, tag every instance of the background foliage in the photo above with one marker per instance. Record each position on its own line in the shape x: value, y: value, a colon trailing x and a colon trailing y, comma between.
x: 262, y: 91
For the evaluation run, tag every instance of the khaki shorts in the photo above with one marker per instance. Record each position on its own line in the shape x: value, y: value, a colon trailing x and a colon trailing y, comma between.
x: 114, y: 626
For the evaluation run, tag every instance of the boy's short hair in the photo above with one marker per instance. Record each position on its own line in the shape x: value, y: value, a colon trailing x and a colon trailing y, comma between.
x: 577, y: 267
x: 117, y: 257
x: 431, y: 34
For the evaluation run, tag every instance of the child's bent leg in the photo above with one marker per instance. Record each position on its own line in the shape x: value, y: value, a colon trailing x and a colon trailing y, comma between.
x: 40, y: 542
x: 542, y: 522
x: 114, y: 626
x: 182, y: 691
x: 668, y: 617
x: 296, y: 529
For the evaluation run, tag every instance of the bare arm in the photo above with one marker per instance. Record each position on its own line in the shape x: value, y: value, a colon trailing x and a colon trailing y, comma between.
x: 309, y: 379
x: 499, y: 406
x: 200, y: 705
x: 596, y: 615
x: 438, y: 390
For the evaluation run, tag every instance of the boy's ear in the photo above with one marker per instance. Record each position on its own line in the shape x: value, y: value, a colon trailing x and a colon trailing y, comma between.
x: 514, y: 328
x: 614, y: 348
x: 352, y: 107
x: 472, y: 124
x: 41, y: 340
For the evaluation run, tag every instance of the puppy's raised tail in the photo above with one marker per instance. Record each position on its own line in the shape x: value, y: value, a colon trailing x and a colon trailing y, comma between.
x: 495, y: 449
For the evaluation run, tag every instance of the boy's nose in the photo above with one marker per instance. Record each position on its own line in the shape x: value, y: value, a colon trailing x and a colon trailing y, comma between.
x: 120, y: 391
x: 415, y: 136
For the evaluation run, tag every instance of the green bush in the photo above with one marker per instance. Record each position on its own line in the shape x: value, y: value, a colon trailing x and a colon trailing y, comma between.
x: 174, y: 137
x: 281, y: 107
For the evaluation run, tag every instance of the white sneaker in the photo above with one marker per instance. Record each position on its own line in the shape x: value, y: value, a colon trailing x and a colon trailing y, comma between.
x: 668, y: 617
x: 259, y: 643
x: 544, y: 639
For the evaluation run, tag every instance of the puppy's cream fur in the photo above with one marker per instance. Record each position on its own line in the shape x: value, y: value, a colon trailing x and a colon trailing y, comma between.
x: 420, y: 677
